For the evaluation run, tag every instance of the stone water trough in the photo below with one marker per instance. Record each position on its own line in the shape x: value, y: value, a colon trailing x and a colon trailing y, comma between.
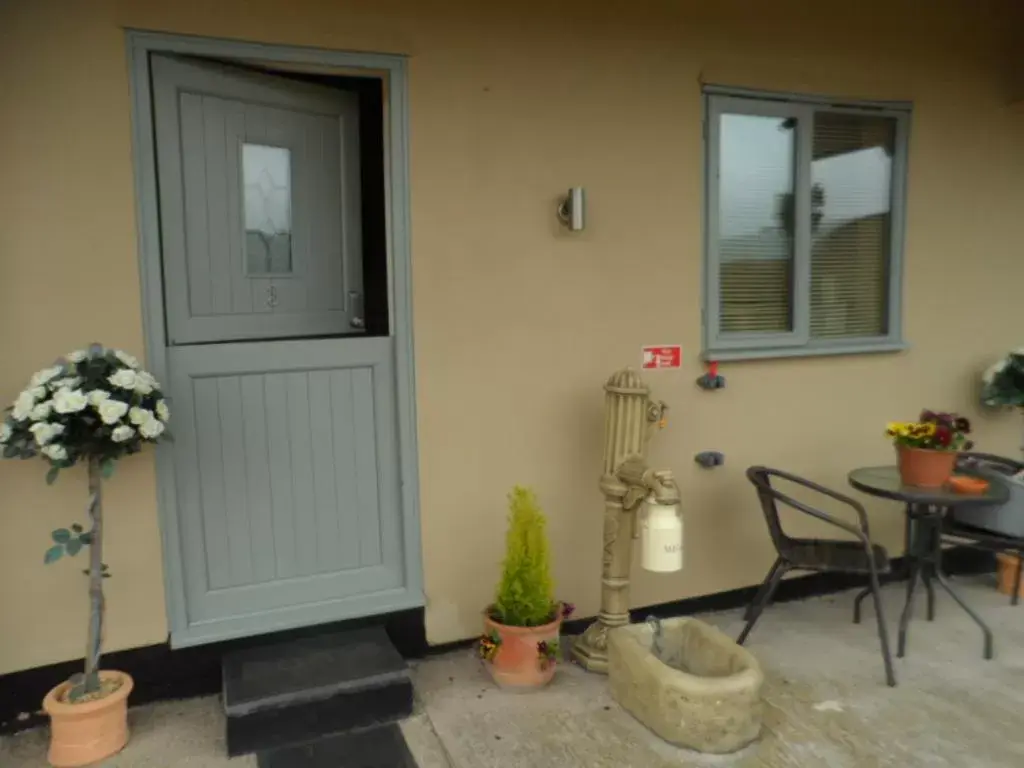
x: 688, y: 682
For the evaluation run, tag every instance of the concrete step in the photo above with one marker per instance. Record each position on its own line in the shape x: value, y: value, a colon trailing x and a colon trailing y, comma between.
x: 382, y: 746
x: 297, y: 691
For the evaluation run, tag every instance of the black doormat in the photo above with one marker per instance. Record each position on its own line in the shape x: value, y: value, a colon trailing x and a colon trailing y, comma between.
x: 380, y: 747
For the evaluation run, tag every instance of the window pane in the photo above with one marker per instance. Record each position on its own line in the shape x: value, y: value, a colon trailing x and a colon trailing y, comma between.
x: 755, y: 223
x: 266, y: 176
x: 851, y: 221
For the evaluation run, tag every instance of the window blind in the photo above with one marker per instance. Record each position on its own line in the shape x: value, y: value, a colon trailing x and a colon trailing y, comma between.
x: 755, y: 239
x: 851, y: 222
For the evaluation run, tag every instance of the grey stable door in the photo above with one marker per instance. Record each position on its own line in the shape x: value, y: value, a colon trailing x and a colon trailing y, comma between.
x: 286, y: 439
x: 260, y: 207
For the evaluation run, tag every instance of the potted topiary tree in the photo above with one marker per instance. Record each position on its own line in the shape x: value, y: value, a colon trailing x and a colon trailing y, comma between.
x: 93, y: 406
x: 520, y: 642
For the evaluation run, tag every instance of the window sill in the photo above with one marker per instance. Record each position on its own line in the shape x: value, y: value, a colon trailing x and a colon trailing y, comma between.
x: 829, y: 349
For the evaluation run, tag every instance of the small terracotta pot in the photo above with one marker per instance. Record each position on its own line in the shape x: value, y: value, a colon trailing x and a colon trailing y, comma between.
x: 517, y: 663
x: 86, y: 733
x: 924, y: 468
x: 1006, y: 568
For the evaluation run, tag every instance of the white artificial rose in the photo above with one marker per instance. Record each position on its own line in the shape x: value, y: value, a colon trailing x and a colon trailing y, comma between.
x: 44, y: 432
x: 139, y: 416
x: 111, y: 411
x: 127, y: 359
x: 41, y: 432
x: 41, y: 377
x: 77, y: 356
x: 124, y: 379
x: 144, y: 383
x: 38, y: 393
x: 98, y: 396
x: 151, y: 429
x: 55, y: 452
x: 42, y: 411
x: 69, y: 401
x: 994, y: 370
x: 122, y: 434
x: 162, y: 411
x: 69, y: 383
x: 5, y: 432
x: 23, y: 406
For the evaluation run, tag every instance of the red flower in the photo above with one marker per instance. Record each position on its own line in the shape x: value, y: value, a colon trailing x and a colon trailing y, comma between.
x: 943, y: 436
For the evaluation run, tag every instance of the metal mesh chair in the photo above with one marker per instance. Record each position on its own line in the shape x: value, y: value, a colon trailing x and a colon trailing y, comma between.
x: 857, y: 556
x: 966, y: 528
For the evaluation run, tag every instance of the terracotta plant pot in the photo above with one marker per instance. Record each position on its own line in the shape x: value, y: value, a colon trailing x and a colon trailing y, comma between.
x: 924, y: 468
x: 88, y: 732
x: 1006, y: 568
x: 517, y: 662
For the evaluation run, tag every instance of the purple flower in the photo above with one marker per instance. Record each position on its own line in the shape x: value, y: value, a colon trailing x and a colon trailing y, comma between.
x: 567, y: 610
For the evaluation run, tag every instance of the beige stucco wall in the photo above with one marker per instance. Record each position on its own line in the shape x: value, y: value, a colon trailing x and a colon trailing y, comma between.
x: 518, y: 323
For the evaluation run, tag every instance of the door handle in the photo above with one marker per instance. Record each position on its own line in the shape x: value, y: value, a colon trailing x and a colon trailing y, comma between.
x: 356, y: 314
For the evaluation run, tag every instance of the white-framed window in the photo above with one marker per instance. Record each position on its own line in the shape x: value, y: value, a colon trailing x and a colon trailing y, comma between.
x: 804, y: 225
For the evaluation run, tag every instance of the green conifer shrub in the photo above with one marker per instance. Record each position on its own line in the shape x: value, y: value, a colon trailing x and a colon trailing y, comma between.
x: 525, y: 596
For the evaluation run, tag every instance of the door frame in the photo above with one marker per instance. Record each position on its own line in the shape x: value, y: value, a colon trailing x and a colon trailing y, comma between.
x: 391, y: 69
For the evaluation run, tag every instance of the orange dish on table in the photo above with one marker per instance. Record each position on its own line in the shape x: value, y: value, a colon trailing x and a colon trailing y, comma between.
x: 968, y: 485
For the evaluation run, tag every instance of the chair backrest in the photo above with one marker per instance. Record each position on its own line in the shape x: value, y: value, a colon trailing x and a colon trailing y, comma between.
x: 990, y: 462
x: 761, y: 477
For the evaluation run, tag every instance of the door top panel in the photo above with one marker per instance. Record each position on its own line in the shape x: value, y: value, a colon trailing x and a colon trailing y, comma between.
x: 260, y: 204
x: 211, y: 79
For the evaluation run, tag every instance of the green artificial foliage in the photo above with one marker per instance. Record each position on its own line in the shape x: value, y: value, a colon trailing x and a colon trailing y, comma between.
x: 1003, y: 383
x: 525, y: 595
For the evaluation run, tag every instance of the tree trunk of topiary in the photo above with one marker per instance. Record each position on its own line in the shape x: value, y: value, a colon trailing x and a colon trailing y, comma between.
x: 96, y: 607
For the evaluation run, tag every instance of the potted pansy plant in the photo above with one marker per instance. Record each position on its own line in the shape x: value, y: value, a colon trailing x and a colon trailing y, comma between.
x: 926, y: 449
x: 93, y: 406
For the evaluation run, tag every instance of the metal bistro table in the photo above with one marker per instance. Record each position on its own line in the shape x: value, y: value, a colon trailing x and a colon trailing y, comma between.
x: 925, y: 508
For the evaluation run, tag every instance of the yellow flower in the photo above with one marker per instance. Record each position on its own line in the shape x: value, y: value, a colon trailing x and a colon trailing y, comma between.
x: 921, y: 430
x: 897, y: 429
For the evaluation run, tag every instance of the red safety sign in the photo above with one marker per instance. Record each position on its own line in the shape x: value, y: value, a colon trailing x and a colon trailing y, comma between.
x: 670, y: 356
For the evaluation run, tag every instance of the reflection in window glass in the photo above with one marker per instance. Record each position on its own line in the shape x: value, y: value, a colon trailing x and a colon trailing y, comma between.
x: 851, y: 223
x: 266, y: 179
x: 755, y: 223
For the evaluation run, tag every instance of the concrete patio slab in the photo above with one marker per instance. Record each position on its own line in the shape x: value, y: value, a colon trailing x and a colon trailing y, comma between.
x: 826, y: 703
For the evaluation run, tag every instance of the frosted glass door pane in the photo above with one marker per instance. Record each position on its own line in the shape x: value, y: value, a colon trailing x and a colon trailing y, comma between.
x: 266, y: 178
